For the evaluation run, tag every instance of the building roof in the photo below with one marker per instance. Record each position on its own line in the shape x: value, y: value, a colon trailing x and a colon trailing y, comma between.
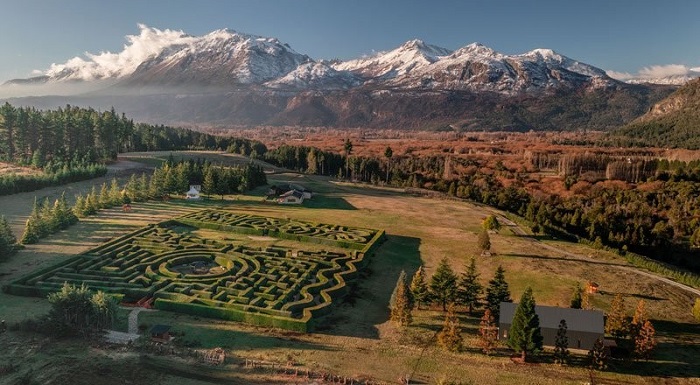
x: 160, y: 329
x: 592, y: 321
x: 295, y: 193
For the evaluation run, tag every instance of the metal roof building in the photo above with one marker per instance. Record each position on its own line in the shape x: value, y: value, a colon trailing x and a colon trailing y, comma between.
x: 584, y: 327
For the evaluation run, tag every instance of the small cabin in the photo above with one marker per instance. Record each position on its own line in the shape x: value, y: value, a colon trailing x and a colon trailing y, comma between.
x: 584, y: 327
x: 160, y: 333
x: 292, y: 197
x: 194, y: 191
x: 281, y: 189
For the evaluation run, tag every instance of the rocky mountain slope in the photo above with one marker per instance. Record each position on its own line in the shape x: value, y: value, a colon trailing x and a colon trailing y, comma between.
x: 227, y: 77
x: 672, y: 122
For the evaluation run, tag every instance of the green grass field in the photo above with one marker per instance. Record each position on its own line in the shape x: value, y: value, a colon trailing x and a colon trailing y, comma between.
x: 357, y: 339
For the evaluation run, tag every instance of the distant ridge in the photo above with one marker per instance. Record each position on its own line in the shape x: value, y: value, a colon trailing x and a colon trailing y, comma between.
x: 228, y: 77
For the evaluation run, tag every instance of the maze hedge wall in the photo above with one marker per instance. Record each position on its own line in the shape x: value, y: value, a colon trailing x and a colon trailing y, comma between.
x: 271, y: 286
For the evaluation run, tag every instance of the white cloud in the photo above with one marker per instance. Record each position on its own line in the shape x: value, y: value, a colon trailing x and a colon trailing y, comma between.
x: 147, y: 44
x: 619, y: 75
x: 657, y: 72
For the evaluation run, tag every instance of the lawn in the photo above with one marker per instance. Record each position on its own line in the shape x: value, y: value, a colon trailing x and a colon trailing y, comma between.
x: 357, y: 339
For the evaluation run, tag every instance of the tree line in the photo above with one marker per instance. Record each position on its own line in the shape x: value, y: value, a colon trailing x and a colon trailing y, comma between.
x: 68, y: 144
x: 661, y: 220
x: 448, y: 290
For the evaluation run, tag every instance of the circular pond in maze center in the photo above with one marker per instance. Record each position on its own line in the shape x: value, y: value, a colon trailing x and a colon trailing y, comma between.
x: 199, y: 267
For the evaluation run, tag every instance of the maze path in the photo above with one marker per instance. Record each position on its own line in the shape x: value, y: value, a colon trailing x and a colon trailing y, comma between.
x: 277, y: 286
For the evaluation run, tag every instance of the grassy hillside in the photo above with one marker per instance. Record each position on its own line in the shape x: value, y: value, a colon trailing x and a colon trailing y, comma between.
x: 356, y: 339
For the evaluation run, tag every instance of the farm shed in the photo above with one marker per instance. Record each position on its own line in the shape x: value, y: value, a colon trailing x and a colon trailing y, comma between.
x: 584, y: 327
x: 292, y: 197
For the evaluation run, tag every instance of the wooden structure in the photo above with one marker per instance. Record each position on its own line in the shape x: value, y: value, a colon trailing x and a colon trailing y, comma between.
x: 214, y: 356
x: 584, y: 327
x: 291, y: 197
x: 160, y: 333
x: 193, y: 193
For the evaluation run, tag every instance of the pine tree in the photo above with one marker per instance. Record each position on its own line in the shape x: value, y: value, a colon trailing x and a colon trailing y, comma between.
x: 598, y: 355
x: 80, y: 208
x: 48, y: 219
x: 31, y: 234
x: 469, y: 287
x: 638, y: 320
x: 401, y: 282
x: 644, y: 341
x: 142, y: 188
x: 401, y: 307
x: 7, y: 239
x: 576, y: 298
x: 115, y: 193
x: 616, y: 322
x: 561, y: 345
x: 92, y: 202
x: 488, y: 333
x: 497, y: 292
x: 103, y: 198
x: 450, y: 337
x: 484, y: 241
x: 419, y: 288
x: 491, y: 223
x: 443, y: 284
x: 525, y: 335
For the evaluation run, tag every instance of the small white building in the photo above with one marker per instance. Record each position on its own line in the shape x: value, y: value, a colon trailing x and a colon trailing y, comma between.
x: 291, y: 197
x: 193, y: 193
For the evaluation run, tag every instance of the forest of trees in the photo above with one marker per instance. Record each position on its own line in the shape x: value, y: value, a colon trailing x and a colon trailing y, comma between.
x: 72, y: 143
x: 662, y: 221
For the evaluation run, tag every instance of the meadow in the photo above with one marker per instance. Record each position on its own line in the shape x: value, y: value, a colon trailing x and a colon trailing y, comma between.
x: 357, y: 339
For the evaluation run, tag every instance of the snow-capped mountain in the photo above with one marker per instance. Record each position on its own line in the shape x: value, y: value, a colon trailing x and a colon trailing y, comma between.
x: 411, y: 56
x: 225, y: 58
x: 480, y: 68
x: 315, y: 75
x: 229, y: 77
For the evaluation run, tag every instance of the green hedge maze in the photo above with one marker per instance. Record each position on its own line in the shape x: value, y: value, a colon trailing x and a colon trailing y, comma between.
x: 182, y: 272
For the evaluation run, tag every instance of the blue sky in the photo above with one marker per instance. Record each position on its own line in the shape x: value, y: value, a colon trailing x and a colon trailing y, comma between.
x: 618, y: 35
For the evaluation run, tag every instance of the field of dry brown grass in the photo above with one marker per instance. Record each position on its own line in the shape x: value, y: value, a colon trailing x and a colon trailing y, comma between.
x: 356, y: 339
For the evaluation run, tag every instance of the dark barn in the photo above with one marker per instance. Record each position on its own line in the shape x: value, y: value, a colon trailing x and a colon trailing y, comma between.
x: 584, y: 327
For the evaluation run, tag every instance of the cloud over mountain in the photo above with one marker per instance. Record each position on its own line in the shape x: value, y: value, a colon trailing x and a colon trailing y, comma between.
x: 660, y: 74
x: 149, y: 43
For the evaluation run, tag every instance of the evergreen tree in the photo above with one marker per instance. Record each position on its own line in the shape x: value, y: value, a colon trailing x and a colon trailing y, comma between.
x: 561, y: 345
x: 484, y: 241
x: 401, y: 281
x: 142, y: 188
x: 419, y: 289
x: 644, y: 341
x: 7, y: 239
x: 450, y: 337
x: 576, y: 298
x: 443, y: 284
x: 31, y: 234
x: 598, y: 355
x: 48, y: 218
x: 638, y: 320
x: 388, y: 153
x: 80, y: 206
x: 115, y: 193
x: 92, y: 202
x: 616, y: 321
x: 402, y: 304
x: 525, y: 335
x: 488, y: 333
x: 491, y: 223
x: 469, y: 287
x: 497, y: 292
x: 103, y: 198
